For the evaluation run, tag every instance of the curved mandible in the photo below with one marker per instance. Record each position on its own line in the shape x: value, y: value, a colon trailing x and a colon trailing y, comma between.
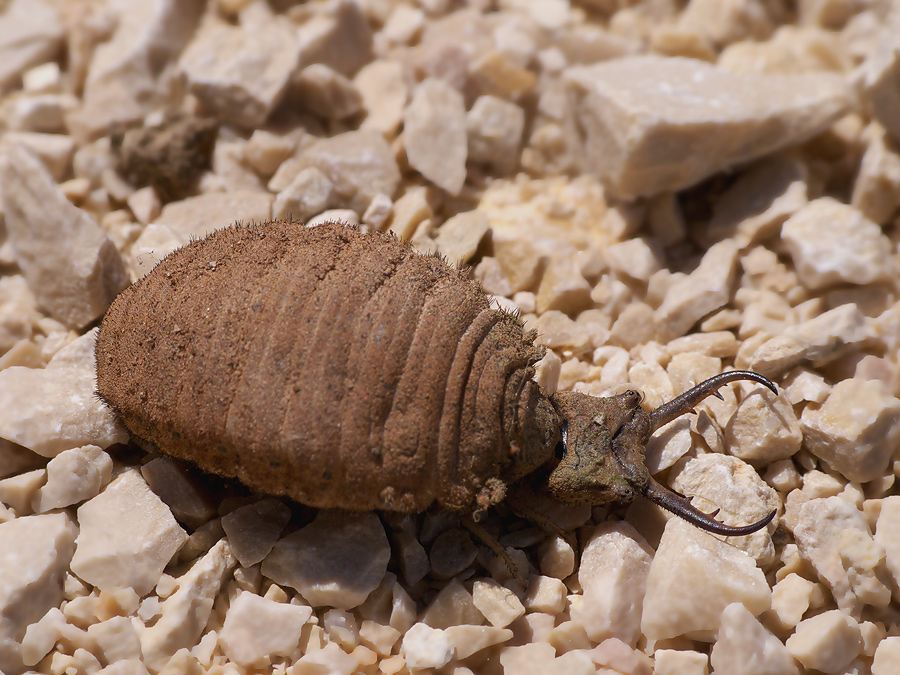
x: 686, y: 402
x: 681, y: 506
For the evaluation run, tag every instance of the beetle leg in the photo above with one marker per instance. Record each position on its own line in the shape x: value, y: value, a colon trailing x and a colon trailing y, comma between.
x: 521, y: 508
x: 681, y: 506
x: 686, y: 402
x: 491, y: 542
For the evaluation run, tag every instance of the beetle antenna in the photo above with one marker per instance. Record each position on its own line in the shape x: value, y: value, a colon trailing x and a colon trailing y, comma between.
x: 685, y: 403
x: 681, y: 506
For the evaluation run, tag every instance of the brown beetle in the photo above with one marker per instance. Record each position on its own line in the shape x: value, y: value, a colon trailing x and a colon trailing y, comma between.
x: 343, y: 369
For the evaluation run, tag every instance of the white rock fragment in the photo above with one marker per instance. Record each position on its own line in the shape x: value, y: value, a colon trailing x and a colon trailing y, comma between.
x: 122, y: 82
x: 329, y: 659
x: 817, y: 341
x: 384, y: 92
x: 467, y: 640
x: 55, y: 409
x: 434, y: 134
x: 326, y: 93
x: 338, y: 35
x: 74, y: 476
x: 557, y: 558
x: 252, y: 530
x: 494, y: 132
x: 426, y: 647
x: 678, y: 662
x: 704, y: 290
x: 34, y: 553
x: 876, y: 192
x: 887, y: 534
x: 832, y: 243
x: 308, y: 195
x: 615, y: 564
x: 186, y: 612
x: 127, y: 537
x: 545, y: 594
x: 887, y: 656
x: 827, y: 642
x: 452, y: 606
x: 238, y: 75
x: 71, y: 265
x: 705, y: 118
x: 40, y: 637
x: 764, y: 429
x: 499, y: 605
x: 856, y: 430
x: 791, y: 597
x: 116, y: 639
x: 458, y: 238
x: 744, y: 647
x: 30, y: 33
x: 336, y: 560
x: 360, y: 164
x: 20, y: 491
x: 693, y: 577
x: 256, y: 627
x: 54, y: 150
x: 881, y: 76
x: 832, y: 534
x: 531, y: 659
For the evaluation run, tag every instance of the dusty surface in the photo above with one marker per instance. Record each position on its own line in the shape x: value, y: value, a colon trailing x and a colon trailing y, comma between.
x: 664, y: 190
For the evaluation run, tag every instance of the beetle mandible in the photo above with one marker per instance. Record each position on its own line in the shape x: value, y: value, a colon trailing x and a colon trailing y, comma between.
x: 343, y: 369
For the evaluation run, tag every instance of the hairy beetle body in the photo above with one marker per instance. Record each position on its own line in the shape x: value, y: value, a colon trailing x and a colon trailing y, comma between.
x: 343, y: 369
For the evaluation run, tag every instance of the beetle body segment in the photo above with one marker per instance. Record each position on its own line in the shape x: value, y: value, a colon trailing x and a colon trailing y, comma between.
x: 338, y: 368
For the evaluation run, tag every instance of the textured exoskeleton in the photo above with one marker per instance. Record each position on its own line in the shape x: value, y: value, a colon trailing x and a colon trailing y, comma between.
x: 344, y: 369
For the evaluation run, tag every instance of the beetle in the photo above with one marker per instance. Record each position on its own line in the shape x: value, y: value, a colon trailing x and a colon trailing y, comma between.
x: 343, y: 369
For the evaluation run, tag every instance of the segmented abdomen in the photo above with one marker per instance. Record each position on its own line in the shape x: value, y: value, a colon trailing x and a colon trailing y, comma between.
x: 338, y: 368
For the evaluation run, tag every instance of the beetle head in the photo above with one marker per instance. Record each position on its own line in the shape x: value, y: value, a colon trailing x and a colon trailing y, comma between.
x: 603, y: 444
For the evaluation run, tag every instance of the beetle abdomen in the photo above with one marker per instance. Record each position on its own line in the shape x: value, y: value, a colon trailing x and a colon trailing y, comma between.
x: 339, y: 368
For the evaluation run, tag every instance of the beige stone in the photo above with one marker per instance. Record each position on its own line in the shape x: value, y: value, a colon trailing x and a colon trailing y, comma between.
x: 426, y: 647
x: 73, y: 268
x: 494, y: 135
x: 707, y: 119
x: 467, y: 640
x: 342, y: 628
x: 701, y: 292
x: 745, y: 647
x: 833, y: 535
x: 791, y: 598
x: 680, y: 662
x: 116, y: 639
x: 831, y: 243
x: 186, y: 612
x: 887, y: 534
x: 530, y: 659
x: 379, y: 637
x: 252, y: 530
x: 266, y: 150
x: 326, y: 93
x: 827, y: 642
x: 256, y: 628
x: 336, y: 560
x: 127, y: 536
x: 173, y: 482
x: 338, y: 35
x: 20, y: 491
x: 384, y: 92
x: 693, y: 577
x: 613, y: 576
x: 499, y: 605
x: 887, y: 655
x: 545, y: 594
x: 458, y: 238
x: 434, y: 134
x: 451, y: 552
x: 360, y: 164
x: 237, y: 75
x: 308, y: 195
x: 30, y: 33
x: 563, y: 287
x: 34, y: 554
x: 817, y: 341
x: 54, y: 150
x: 74, y: 476
x: 453, y: 605
x: 876, y: 192
x: 881, y: 76
x: 855, y: 430
x: 557, y: 558
x: 764, y: 429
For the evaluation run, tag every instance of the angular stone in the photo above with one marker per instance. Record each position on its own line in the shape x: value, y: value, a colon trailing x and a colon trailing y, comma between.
x: 856, y: 430
x: 308, y: 195
x: 764, y: 429
x: 71, y: 265
x: 336, y: 560
x: 186, y: 612
x: 791, y: 598
x: 30, y: 33
x: 832, y: 243
x: 680, y: 662
x: 426, y: 647
x: 54, y: 409
x: 54, y: 150
x: 338, y: 35
x: 127, y: 537
x: 453, y: 606
x: 384, y: 92
x: 887, y: 655
x: 881, y: 76
x: 876, y: 192
x: 706, y: 119
x: 832, y: 534
x: 693, y: 577
x: 252, y: 530
x: 360, y: 164
x: 74, y: 476
x: 744, y: 647
x: 121, y: 84
x: 326, y: 93
x: 818, y: 341
x: 256, y: 627
x: 238, y: 75
x: 34, y: 554
x: 467, y: 640
x: 545, y: 594
x: 499, y: 605
x: 458, y: 238
x: 494, y: 135
x: 704, y: 290
x: 613, y: 574
x: 173, y: 482
x: 827, y: 642
x: 887, y: 534
x: 434, y: 134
